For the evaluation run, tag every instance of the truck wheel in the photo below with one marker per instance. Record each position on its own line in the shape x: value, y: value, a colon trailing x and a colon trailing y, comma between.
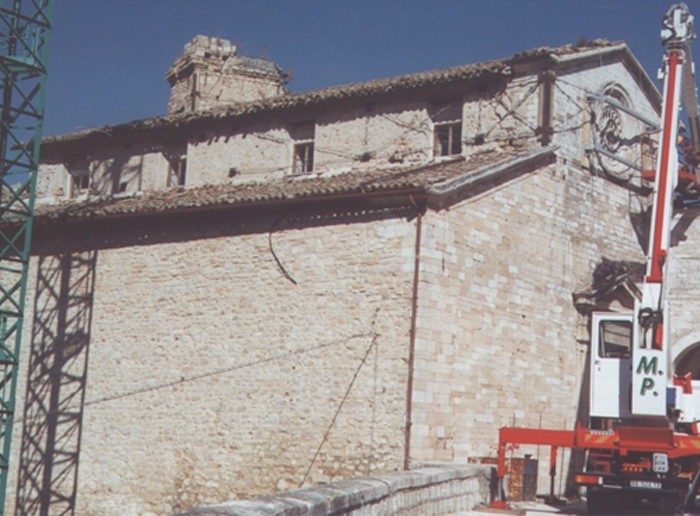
x: 600, y: 501
x: 594, y: 501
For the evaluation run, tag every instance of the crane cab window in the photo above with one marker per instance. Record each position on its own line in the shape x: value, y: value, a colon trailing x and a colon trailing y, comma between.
x: 615, y: 339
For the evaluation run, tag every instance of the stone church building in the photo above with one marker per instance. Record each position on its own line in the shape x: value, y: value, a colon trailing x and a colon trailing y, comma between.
x: 262, y: 290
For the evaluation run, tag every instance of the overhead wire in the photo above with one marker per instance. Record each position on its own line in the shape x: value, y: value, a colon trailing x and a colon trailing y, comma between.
x: 201, y: 376
x: 423, y: 127
x: 324, y: 439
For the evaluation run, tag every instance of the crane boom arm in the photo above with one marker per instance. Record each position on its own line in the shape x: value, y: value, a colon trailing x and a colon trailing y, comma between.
x: 690, y: 97
x: 677, y: 33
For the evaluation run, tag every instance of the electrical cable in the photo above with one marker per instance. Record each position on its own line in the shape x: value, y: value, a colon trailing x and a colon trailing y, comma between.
x: 201, y: 376
x: 342, y: 401
x: 281, y: 267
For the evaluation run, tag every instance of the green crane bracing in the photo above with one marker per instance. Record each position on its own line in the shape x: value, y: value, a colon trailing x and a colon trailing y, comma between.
x: 25, y: 26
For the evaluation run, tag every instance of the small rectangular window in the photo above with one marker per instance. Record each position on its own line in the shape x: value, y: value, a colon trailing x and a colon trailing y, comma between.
x: 615, y: 339
x: 176, y: 171
x: 79, y: 182
x: 303, y: 158
x: 303, y: 134
x: 448, y: 139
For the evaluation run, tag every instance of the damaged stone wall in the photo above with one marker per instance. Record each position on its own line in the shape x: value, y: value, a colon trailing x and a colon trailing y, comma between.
x: 126, y: 169
x: 236, y: 339
x: 212, y: 73
x: 379, y: 133
x: 503, y: 116
x: 254, y: 152
x: 52, y: 182
x: 579, y: 123
x: 495, y: 344
x: 374, y: 135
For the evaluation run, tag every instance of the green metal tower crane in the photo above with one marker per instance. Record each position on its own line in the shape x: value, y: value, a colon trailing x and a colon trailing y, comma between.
x: 25, y: 26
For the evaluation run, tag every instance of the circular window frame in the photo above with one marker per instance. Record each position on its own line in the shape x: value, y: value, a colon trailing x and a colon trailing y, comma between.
x: 611, y: 131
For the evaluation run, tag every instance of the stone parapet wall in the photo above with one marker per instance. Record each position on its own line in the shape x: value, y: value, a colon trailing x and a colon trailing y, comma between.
x: 431, y: 490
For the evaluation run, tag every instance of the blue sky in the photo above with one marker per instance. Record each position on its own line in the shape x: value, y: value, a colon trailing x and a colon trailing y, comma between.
x: 108, y: 57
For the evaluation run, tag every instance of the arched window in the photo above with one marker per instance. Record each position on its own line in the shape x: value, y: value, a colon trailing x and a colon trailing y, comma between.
x: 689, y: 362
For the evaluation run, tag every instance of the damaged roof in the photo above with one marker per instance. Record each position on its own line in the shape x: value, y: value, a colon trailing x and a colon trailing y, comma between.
x: 436, y: 180
x: 502, y: 68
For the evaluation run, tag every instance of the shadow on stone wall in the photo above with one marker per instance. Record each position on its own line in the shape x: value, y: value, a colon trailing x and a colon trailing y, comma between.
x: 56, y: 379
x: 577, y: 460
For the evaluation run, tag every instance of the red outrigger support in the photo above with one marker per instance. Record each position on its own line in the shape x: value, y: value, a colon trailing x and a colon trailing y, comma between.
x: 624, y: 439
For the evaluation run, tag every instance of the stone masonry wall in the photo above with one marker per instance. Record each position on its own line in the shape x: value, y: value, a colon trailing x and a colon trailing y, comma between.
x: 577, y: 122
x: 211, y: 73
x: 112, y: 170
x: 52, y: 182
x: 211, y: 375
x: 214, y: 89
x: 496, y: 323
x: 379, y: 133
x: 397, y: 130
x: 214, y: 353
x: 683, y: 286
x: 376, y: 134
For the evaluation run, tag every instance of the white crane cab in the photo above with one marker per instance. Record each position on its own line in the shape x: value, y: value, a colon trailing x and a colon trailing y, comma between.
x: 611, y: 364
x: 629, y: 376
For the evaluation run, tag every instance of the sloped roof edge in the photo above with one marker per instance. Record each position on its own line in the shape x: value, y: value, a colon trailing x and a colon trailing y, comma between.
x: 637, y: 70
x: 438, y: 180
x: 489, y: 172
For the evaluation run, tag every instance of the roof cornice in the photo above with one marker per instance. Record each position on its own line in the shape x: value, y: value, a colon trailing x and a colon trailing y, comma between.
x: 634, y: 66
x: 445, y: 192
x: 442, y: 182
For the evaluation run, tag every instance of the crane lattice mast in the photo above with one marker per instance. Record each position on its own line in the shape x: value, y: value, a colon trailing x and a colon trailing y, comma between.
x: 25, y: 26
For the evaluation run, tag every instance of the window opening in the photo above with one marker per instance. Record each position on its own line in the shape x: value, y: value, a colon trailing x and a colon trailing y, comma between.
x: 610, y: 123
x: 177, y: 171
x: 447, y: 127
x: 80, y: 182
x: 303, y: 158
x: 448, y: 139
x: 303, y: 134
x: 615, y: 339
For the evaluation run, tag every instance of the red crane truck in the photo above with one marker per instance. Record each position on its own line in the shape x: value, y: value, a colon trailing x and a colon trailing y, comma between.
x: 643, y: 437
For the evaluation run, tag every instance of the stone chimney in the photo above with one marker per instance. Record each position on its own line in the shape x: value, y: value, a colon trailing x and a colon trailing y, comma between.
x: 210, y: 73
